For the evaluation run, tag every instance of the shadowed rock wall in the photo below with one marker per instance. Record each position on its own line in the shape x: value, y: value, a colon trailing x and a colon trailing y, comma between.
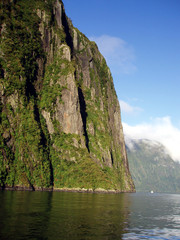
x: 60, y: 116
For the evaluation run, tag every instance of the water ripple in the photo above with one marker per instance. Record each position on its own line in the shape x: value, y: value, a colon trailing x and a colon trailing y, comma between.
x: 156, y: 233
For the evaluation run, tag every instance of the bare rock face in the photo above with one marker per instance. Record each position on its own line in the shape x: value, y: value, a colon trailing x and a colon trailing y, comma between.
x: 68, y: 111
x: 49, y: 124
x: 57, y: 10
x: 60, y: 116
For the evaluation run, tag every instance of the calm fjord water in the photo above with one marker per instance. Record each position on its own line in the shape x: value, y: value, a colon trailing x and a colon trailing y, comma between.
x: 62, y: 215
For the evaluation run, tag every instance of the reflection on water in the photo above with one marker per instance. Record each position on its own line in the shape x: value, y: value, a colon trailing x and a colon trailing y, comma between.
x: 58, y: 215
x: 24, y: 215
x: 61, y: 215
x: 154, y: 216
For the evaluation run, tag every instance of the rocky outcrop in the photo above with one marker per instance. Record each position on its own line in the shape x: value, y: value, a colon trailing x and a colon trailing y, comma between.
x: 60, y: 116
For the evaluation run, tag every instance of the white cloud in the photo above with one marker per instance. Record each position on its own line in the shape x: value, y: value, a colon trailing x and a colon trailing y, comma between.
x: 127, y: 108
x: 119, y: 55
x: 160, y: 129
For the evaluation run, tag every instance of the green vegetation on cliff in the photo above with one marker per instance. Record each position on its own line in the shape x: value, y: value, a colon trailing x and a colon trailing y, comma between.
x: 59, y: 114
x: 152, y: 167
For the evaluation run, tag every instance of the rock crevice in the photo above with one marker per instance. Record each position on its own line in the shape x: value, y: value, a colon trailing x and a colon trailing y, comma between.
x: 59, y: 113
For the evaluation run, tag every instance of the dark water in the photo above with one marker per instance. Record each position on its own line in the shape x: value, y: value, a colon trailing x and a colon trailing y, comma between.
x: 60, y: 215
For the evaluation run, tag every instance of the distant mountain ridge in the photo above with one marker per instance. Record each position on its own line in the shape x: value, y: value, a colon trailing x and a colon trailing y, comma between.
x: 152, y: 167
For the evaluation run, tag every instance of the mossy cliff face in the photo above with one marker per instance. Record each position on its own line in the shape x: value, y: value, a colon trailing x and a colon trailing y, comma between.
x: 60, y: 117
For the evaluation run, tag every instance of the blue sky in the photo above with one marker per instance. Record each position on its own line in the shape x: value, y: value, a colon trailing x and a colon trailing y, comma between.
x: 140, y: 40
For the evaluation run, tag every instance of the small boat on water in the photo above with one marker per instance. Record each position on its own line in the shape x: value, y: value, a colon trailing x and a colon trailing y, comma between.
x: 151, y: 191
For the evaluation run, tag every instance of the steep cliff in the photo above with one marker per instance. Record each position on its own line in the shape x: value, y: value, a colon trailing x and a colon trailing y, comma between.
x: 60, y: 117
